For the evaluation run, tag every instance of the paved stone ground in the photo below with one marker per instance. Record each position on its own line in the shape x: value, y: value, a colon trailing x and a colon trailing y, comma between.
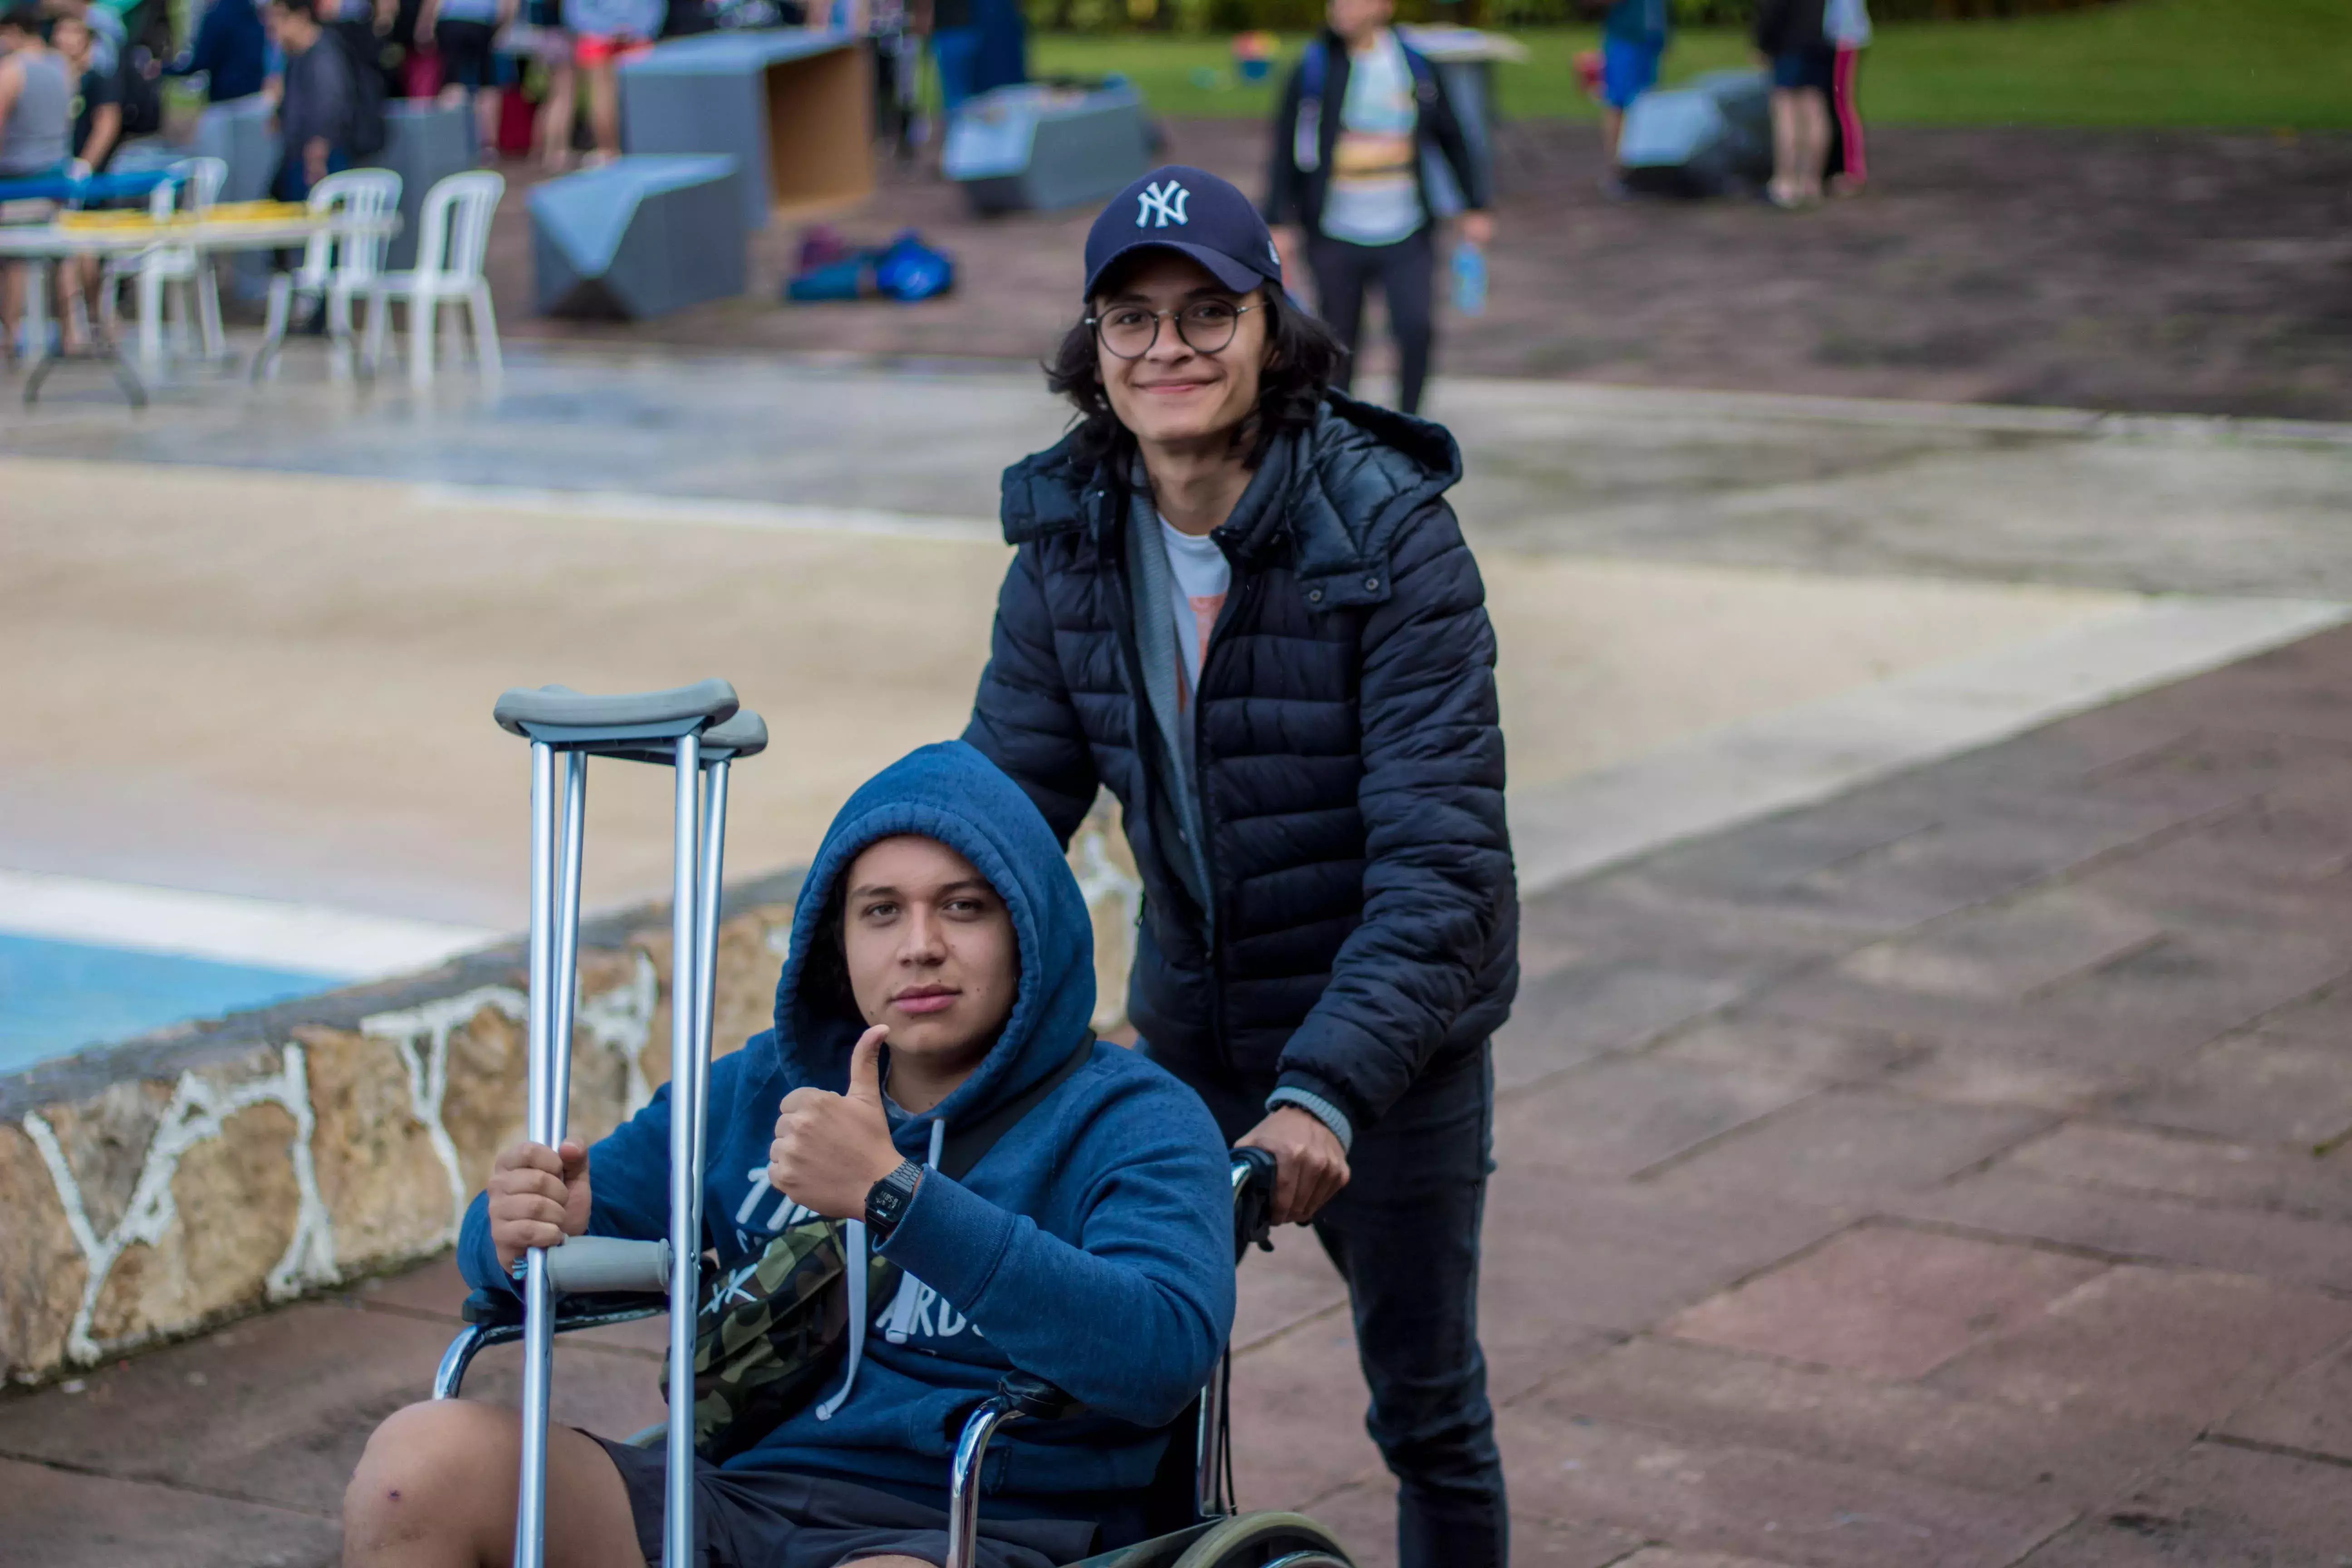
x: 1952, y: 1174
x: 2116, y: 269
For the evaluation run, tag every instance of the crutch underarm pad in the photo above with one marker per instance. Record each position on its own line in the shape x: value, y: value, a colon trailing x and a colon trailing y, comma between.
x: 562, y: 717
x: 744, y: 735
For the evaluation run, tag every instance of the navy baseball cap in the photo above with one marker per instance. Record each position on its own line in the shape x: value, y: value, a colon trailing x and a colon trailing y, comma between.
x: 1193, y: 212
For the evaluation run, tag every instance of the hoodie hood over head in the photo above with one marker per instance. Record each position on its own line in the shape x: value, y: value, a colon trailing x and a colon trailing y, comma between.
x: 952, y: 793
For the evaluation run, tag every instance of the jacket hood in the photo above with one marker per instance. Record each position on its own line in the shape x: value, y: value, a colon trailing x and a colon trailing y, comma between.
x: 952, y: 793
x: 1337, y: 493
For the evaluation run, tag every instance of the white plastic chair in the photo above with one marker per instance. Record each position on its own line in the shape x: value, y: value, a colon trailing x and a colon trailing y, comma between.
x: 335, y: 266
x: 180, y: 273
x: 453, y: 231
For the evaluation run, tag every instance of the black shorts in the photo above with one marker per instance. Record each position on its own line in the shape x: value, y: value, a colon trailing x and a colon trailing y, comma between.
x: 775, y: 1519
x: 464, y: 50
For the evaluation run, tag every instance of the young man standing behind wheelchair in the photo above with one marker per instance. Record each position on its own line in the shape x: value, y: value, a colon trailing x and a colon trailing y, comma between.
x: 1240, y: 603
x: 941, y: 971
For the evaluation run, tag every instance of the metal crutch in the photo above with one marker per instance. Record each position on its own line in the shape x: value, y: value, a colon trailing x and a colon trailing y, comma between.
x: 578, y: 725
x: 744, y: 735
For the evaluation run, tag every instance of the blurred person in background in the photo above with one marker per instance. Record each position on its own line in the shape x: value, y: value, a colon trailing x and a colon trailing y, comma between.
x: 1847, y: 22
x: 604, y: 33
x: 230, y: 49
x: 105, y: 29
x: 538, y: 36
x: 1794, y: 37
x: 1360, y: 114
x: 97, y: 133
x: 1633, y: 35
x: 319, y: 101
x: 36, y: 91
x: 97, y: 94
x: 36, y: 134
x: 463, y: 32
x: 955, y: 41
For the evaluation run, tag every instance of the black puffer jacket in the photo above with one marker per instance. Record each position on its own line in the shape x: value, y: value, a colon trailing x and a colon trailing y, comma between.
x: 1350, y: 761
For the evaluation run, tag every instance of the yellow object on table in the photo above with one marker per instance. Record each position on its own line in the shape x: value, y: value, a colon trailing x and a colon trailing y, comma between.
x: 219, y: 211
x: 121, y: 219
x: 255, y: 212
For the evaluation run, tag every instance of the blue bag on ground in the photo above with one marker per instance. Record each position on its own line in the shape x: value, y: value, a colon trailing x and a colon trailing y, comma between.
x: 910, y: 270
x: 905, y: 269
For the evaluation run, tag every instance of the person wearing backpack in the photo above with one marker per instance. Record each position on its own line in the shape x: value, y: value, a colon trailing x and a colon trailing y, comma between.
x: 318, y: 110
x: 933, y: 1121
x: 1361, y: 117
x: 1240, y: 603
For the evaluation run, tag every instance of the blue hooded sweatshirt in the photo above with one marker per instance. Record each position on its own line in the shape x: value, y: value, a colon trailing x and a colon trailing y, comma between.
x: 1091, y: 1246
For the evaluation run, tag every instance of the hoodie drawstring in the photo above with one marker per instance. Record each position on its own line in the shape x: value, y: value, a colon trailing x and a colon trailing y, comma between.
x: 902, y: 1308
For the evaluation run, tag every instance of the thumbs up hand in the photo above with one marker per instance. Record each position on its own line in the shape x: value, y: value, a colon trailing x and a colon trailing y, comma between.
x: 830, y: 1148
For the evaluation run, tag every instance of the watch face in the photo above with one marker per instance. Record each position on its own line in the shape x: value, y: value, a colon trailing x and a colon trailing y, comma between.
x: 887, y: 1197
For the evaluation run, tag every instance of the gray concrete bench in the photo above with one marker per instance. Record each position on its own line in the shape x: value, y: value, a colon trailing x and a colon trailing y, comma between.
x: 639, y: 237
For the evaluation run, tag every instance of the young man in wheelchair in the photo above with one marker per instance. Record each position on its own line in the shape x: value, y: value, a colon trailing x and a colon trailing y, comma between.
x: 941, y: 971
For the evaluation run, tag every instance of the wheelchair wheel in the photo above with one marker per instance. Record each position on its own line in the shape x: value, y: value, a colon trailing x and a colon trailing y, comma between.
x: 1267, y: 1541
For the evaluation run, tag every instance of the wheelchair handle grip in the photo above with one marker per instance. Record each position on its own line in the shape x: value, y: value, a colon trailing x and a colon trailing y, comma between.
x: 1034, y: 1398
x: 1253, y: 1165
x: 1253, y: 1170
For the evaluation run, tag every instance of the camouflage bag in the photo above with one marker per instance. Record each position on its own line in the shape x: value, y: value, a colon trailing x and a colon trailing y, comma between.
x: 771, y: 1331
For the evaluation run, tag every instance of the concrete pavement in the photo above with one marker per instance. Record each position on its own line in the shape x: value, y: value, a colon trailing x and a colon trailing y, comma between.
x: 1951, y: 1174
x: 1940, y: 1164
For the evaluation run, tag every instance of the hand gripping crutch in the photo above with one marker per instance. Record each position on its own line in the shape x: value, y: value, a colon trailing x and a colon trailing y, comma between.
x: 698, y: 730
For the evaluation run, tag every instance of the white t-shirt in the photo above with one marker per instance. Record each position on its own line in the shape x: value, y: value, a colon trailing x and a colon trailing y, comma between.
x: 1198, y: 576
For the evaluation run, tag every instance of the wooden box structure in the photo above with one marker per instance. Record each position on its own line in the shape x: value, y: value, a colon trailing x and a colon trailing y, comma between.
x: 795, y: 108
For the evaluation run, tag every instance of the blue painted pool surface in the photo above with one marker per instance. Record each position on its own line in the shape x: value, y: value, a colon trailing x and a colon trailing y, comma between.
x: 57, y: 997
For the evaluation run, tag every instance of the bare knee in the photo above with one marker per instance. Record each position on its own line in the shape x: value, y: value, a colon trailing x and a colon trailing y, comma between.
x: 432, y: 1475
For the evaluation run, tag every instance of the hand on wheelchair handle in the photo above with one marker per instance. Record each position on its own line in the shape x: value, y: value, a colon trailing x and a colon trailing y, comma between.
x: 536, y: 1197
x: 1309, y: 1166
x: 830, y: 1148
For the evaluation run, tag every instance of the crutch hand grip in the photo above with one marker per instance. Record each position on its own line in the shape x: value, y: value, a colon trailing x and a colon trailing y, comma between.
x: 589, y: 1265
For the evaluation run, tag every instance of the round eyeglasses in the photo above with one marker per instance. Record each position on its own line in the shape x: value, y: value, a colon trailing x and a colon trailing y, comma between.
x: 1206, y: 326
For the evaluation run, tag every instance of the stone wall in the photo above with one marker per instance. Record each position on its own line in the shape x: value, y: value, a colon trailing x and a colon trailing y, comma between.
x: 151, y: 1189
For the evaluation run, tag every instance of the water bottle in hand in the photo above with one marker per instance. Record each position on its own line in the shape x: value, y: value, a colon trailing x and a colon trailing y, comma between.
x: 1469, y: 279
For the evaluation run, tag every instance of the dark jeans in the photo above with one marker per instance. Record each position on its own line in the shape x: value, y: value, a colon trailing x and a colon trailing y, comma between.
x: 1404, y: 1234
x: 1406, y: 272
x: 293, y: 182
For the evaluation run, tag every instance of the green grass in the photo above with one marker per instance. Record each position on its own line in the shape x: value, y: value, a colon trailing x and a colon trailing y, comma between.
x: 2206, y: 64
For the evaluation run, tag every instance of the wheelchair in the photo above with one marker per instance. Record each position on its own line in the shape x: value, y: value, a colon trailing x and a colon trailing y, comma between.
x: 700, y: 732
x: 1190, y: 1500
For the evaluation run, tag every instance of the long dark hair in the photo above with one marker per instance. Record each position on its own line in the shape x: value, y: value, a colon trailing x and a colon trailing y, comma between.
x: 1302, y: 359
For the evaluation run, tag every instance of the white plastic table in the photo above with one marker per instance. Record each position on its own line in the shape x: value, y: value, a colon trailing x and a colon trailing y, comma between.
x: 42, y: 245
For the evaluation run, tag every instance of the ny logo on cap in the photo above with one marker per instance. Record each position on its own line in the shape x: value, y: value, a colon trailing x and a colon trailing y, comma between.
x: 1166, y: 199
